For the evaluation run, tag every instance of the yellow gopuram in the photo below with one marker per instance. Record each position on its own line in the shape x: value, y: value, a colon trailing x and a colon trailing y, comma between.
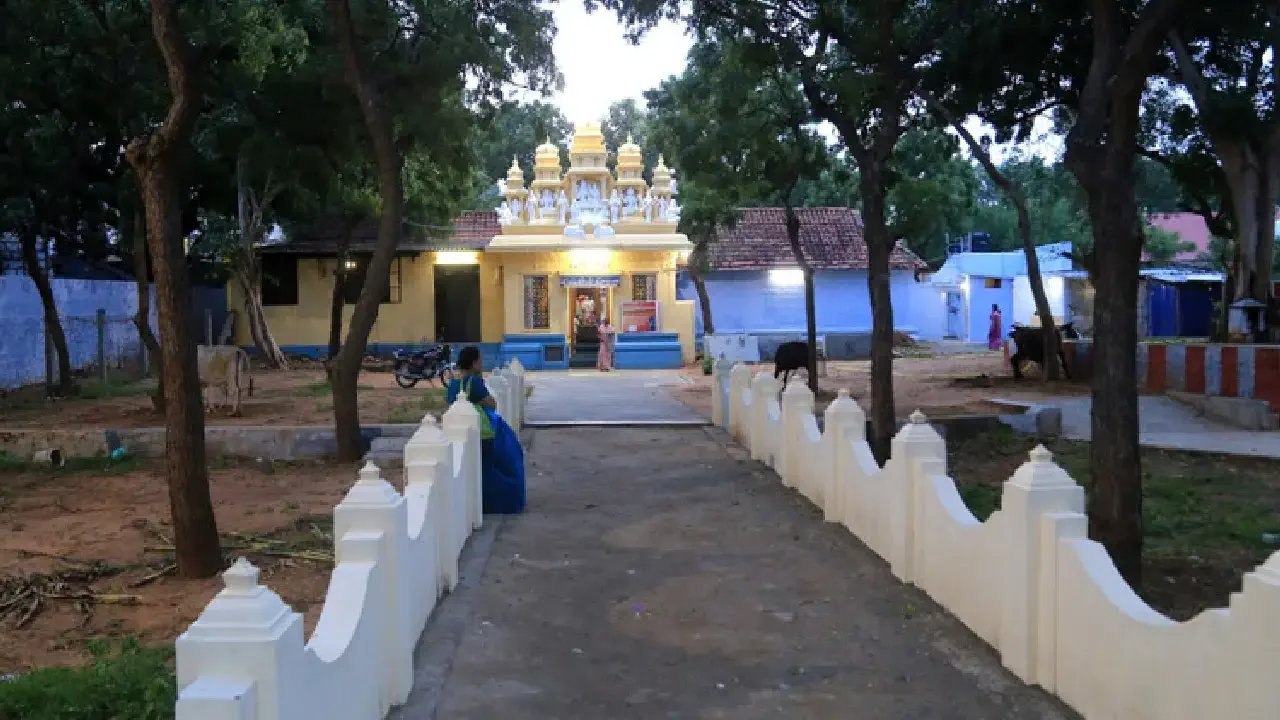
x: 532, y: 279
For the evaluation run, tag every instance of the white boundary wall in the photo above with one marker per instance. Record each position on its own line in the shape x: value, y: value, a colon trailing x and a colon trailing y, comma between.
x: 1028, y: 580
x: 396, y: 553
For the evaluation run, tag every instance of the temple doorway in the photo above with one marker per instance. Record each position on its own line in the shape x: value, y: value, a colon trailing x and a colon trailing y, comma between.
x: 586, y: 304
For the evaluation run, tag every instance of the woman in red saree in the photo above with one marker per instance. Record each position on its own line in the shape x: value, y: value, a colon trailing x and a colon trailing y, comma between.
x: 993, y: 334
x: 604, y: 359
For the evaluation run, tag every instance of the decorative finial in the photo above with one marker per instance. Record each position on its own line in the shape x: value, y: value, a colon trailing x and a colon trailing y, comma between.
x: 843, y: 394
x: 241, y: 578
x: 660, y: 159
x: 515, y: 162
x: 549, y: 140
x: 370, y: 473
x: 918, y: 418
x: 629, y: 140
x: 1040, y: 455
x: 429, y: 419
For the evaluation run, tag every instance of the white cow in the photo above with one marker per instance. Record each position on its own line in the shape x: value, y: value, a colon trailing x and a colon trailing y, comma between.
x: 224, y: 367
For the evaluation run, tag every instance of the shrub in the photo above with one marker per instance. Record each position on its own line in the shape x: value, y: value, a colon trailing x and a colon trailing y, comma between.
x: 128, y: 682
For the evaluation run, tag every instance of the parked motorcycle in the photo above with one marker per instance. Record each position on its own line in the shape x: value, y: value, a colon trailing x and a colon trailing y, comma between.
x: 429, y: 364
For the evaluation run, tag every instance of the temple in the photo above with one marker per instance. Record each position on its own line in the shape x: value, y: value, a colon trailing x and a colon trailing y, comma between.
x: 531, y: 280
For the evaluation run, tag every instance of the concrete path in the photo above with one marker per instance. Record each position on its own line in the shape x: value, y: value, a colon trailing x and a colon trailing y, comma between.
x: 1165, y: 423
x: 660, y: 573
x: 589, y: 397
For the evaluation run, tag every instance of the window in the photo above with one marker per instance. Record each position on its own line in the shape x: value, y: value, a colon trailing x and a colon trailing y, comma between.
x: 991, y: 283
x: 279, y: 280
x: 644, y: 287
x: 355, y: 268
x: 537, y: 303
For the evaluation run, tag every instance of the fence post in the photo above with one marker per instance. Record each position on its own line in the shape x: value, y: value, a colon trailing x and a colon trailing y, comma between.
x: 102, y: 344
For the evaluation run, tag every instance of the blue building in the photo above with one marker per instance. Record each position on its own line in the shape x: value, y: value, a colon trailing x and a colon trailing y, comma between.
x: 756, y: 287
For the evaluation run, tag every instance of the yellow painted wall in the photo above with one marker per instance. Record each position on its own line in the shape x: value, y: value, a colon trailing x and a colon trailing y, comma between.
x: 501, y: 297
x: 307, y: 323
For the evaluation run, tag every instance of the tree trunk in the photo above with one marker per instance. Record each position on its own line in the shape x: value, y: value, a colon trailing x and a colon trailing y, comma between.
x: 879, y: 246
x: 1115, y: 503
x: 336, y: 303
x: 142, y: 319
x: 155, y: 159
x: 696, y: 260
x: 1101, y: 147
x: 379, y: 124
x: 810, y: 310
x: 256, y: 318
x: 52, y: 323
x: 248, y: 273
x: 1014, y: 195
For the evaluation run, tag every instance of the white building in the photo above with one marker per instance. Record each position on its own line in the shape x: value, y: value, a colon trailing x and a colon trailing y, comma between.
x: 969, y: 283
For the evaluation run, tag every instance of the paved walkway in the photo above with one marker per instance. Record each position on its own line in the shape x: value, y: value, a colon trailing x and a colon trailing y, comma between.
x: 590, y: 397
x: 659, y: 573
x: 1163, y: 422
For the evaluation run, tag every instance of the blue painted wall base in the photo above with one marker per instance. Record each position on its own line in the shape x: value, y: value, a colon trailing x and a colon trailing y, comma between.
x: 489, y: 353
x: 647, y: 351
x: 536, y: 352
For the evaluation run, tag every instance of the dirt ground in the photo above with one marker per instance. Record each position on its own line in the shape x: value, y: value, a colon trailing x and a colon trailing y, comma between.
x: 298, y: 396
x: 102, y: 529
x: 937, y: 385
x: 686, y: 582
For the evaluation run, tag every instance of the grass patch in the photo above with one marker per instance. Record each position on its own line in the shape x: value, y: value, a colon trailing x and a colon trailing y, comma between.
x: 322, y: 388
x: 1203, y: 515
x: 95, y: 389
x: 123, y: 681
x: 97, y: 465
x: 412, y: 411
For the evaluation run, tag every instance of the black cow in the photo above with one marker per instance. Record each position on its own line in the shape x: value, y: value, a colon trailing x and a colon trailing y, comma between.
x: 791, y: 356
x: 1030, y: 342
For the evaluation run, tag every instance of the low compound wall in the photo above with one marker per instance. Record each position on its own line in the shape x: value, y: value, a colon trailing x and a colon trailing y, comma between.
x: 245, y: 657
x: 1214, y: 369
x: 1028, y: 580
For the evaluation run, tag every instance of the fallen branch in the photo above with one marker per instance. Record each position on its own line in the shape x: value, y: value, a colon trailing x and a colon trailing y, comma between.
x: 154, y: 576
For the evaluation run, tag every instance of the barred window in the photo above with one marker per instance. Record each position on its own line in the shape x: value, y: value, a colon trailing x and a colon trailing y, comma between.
x: 537, y: 303
x: 356, y: 268
x: 644, y: 287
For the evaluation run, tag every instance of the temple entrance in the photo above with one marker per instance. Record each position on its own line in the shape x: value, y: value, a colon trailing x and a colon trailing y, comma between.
x: 586, y: 304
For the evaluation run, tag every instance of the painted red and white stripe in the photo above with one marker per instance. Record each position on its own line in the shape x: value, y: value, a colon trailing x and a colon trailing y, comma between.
x: 1246, y: 371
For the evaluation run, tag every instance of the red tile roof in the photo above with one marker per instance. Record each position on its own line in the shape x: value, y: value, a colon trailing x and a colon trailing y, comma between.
x: 474, y: 229
x: 830, y: 237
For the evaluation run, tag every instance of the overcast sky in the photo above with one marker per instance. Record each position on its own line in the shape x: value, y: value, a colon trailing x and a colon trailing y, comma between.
x: 601, y: 67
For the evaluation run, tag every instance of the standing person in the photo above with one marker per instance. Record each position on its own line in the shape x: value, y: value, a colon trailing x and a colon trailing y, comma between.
x: 501, y: 456
x: 993, y: 334
x: 604, y: 359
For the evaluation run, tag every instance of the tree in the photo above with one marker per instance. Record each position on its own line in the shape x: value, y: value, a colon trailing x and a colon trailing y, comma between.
x: 410, y: 95
x: 740, y: 139
x: 515, y: 129
x: 627, y: 119
x: 155, y: 159
x: 1163, y: 246
x: 933, y: 191
x: 1221, y: 59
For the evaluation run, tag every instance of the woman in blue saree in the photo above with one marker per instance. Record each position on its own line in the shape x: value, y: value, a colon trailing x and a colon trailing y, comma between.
x: 502, y: 457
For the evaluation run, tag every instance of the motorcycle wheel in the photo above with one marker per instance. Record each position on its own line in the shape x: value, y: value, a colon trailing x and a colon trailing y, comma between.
x: 446, y: 374
x: 405, y: 381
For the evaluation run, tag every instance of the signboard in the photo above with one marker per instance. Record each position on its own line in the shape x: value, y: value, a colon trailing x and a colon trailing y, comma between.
x: 590, y: 281
x: 639, y: 316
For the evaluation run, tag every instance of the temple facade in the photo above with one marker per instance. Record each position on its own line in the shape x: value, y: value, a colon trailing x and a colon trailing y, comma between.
x: 532, y: 280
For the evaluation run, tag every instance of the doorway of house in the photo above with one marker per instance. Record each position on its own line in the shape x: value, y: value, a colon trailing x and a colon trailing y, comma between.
x: 586, y: 304
x: 955, y: 322
x: 457, y: 303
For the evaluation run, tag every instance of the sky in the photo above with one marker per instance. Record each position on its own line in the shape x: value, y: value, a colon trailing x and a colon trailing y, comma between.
x: 600, y: 67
